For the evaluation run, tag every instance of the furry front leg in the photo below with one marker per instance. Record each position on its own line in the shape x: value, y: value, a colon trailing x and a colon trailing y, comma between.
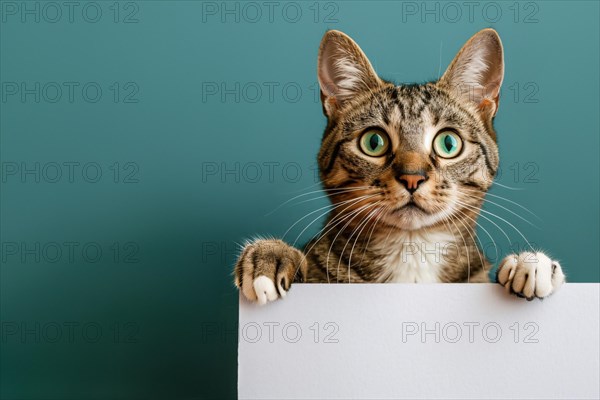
x: 267, y: 268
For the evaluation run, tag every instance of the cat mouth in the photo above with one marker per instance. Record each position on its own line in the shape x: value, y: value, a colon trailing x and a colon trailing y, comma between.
x: 411, y: 205
x: 410, y: 216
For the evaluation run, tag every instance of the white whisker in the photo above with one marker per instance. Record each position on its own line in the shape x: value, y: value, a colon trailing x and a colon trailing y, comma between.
x: 350, y: 203
x: 336, y: 191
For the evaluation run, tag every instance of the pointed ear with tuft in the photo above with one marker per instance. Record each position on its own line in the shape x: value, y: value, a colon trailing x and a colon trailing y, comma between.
x: 476, y: 73
x: 343, y: 71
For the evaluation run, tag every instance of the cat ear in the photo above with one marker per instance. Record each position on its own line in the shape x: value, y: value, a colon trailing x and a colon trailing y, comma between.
x: 477, y: 71
x: 343, y: 70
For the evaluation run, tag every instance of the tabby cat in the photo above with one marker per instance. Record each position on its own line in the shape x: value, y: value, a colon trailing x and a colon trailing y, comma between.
x: 406, y: 168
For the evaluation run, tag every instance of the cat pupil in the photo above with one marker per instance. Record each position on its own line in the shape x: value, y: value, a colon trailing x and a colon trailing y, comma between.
x: 374, y: 142
x: 449, y: 143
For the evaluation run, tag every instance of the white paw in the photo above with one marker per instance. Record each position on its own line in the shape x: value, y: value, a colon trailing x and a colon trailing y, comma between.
x: 265, y: 291
x: 530, y: 275
x: 266, y: 269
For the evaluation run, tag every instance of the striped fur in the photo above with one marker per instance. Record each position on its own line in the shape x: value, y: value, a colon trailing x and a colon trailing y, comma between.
x: 377, y: 230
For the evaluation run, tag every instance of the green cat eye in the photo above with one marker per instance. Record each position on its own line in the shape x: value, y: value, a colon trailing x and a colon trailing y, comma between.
x: 447, y: 144
x: 374, y: 143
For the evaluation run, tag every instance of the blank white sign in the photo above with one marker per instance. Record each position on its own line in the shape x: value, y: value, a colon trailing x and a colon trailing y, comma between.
x: 379, y: 341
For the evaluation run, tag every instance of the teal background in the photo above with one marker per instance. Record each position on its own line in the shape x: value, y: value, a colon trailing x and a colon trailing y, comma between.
x: 165, y: 302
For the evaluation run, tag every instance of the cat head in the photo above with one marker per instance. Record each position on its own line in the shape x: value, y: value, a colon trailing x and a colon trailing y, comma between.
x: 419, y: 154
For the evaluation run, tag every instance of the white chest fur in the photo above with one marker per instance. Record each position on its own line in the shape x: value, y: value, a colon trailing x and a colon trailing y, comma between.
x: 414, y: 257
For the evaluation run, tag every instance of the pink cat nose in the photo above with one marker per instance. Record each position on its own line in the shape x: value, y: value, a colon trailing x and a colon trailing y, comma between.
x: 411, y: 182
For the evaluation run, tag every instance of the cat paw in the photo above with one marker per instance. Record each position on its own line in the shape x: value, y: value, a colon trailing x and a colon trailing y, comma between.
x: 530, y: 275
x: 266, y: 269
